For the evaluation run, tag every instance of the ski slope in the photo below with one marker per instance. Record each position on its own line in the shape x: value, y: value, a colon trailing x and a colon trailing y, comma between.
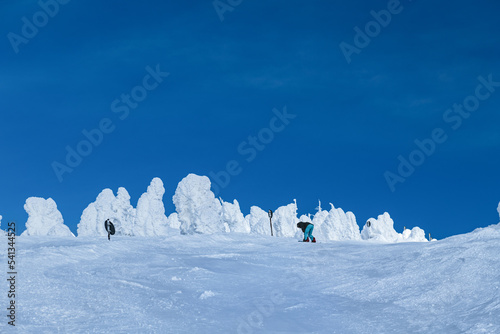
x: 240, y: 283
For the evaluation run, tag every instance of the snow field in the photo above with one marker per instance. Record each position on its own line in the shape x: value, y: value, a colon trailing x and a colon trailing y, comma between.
x: 240, y: 283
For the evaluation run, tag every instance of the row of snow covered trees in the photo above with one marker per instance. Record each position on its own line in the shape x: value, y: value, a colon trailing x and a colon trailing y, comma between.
x: 199, y: 212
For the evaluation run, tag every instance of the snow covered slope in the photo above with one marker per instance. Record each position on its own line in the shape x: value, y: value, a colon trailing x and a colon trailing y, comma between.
x: 238, y: 283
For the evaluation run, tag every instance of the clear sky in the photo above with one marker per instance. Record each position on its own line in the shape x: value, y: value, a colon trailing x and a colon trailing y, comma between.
x: 167, y: 88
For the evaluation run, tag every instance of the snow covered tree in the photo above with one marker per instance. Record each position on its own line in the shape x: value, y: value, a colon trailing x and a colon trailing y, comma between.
x: 96, y: 213
x: 285, y: 221
x: 382, y: 229
x: 197, y: 208
x: 498, y: 209
x: 416, y: 234
x: 147, y: 220
x: 232, y: 216
x: 44, y: 219
x: 336, y: 224
x: 173, y: 221
x: 305, y: 218
x: 123, y: 213
x: 258, y: 220
x: 150, y: 215
x: 107, y: 206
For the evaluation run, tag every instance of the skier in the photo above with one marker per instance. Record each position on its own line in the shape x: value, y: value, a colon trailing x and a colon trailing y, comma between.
x: 307, y: 228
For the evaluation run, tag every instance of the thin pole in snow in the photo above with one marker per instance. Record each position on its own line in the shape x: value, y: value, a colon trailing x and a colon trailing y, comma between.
x: 271, y: 221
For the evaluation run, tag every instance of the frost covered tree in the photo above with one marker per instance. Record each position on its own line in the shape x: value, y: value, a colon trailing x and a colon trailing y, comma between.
x: 382, y: 229
x: 150, y: 215
x: 285, y: 221
x: 416, y: 234
x: 336, y: 224
x: 197, y: 208
x: 498, y: 209
x: 318, y: 220
x: 147, y: 220
x: 258, y: 220
x: 232, y: 216
x: 123, y: 213
x: 106, y: 206
x: 96, y: 213
x: 44, y: 219
x: 173, y: 221
x: 306, y: 218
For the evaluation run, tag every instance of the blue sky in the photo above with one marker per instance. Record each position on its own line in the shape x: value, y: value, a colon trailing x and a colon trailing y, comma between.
x: 351, y: 120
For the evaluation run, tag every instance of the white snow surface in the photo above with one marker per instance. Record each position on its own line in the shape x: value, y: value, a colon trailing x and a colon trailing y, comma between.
x: 44, y: 219
x: 382, y: 229
x: 198, y: 210
x: 238, y: 283
x: 150, y: 217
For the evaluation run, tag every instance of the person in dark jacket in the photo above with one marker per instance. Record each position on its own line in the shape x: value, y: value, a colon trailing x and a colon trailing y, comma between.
x: 307, y: 228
